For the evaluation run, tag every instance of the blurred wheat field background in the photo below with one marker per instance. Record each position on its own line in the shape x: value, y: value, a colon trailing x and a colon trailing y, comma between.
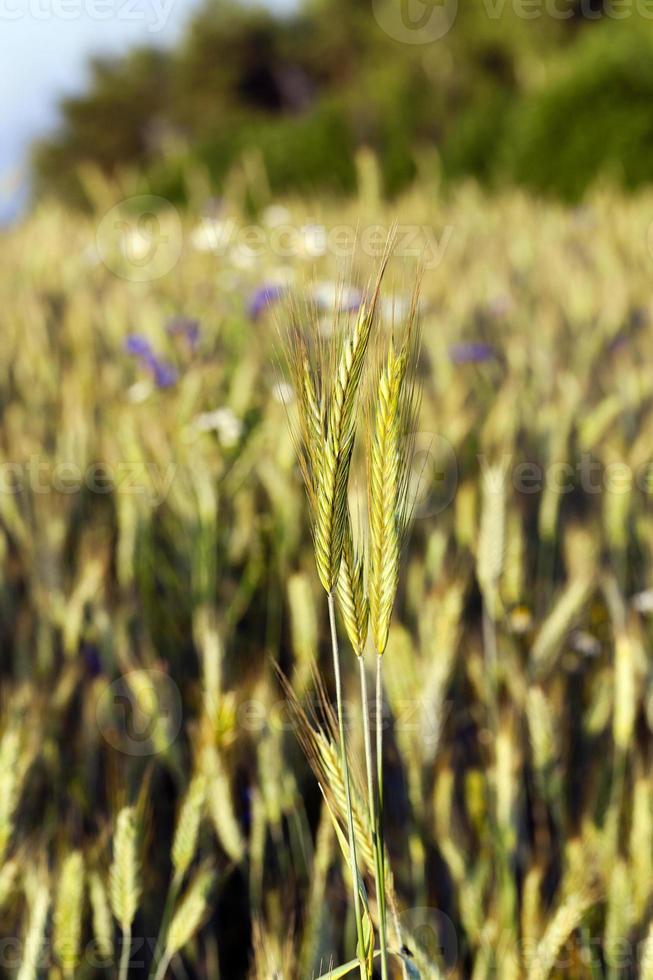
x: 157, y: 569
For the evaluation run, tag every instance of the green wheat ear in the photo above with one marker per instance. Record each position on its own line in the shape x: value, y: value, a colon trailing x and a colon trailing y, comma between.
x: 392, y: 409
x: 68, y: 913
x: 38, y: 902
x: 354, y: 604
x: 327, y: 387
x: 101, y: 915
x: 188, y: 825
x: 190, y: 912
x: 125, y: 874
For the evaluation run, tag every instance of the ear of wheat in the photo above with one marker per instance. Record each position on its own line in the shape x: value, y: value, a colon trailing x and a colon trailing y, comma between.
x: 125, y: 880
x: 327, y: 395
x: 192, y: 909
x: 101, y: 915
x: 392, y: 410
x: 125, y: 877
x: 327, y: 382
x: 38, y: 900
x: 68, y: 913
x: 188, y: 826
x: 354, y: 604
x: 392, y: 407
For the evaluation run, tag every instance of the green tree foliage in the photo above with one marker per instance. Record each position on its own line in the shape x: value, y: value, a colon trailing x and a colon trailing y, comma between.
x: 551, y: 103
x: 595, y: 120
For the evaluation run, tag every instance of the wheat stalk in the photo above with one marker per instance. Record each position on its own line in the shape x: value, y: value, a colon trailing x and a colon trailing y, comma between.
x: 392, y: 413
x: 327, y: 399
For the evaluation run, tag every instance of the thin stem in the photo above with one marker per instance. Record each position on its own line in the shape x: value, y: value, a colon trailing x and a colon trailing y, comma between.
x: 126, y: 952
x: 159, y: 949
x: 377, y: 839
x: 163, y: 966
x: 345, y: 773
x: 379, y: 784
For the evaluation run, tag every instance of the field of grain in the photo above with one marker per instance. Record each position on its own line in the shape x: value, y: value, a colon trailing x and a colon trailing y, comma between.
x: 167, y: 806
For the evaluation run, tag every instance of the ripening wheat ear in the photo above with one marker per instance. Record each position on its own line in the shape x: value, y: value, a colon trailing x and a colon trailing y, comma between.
x: 188, y: 826
x: 327, y: 387
x: 101, y: 914
x: 38, y: 901
x: 354, y: 604
x: 192, y: 909
x: 68, y: 911
x: 392, y: 403
x: 125, y: 880
x: 125, y: 877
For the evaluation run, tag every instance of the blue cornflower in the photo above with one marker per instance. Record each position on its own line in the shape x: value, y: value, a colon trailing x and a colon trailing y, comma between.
x: 165, y: 374
x: 185, y: 327
x: 261, y: 298
x: 137, y: 345
x: 474, y: 352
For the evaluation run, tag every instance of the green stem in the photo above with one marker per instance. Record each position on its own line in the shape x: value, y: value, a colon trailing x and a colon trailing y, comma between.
x: 126, y: 952
x: 379, y: 784
x: 345, y: 774
x: 374, y: 824
x: 159, y: 949
x: 163, y: 966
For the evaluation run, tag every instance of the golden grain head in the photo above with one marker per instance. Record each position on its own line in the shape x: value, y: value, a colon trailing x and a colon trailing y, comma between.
x: 327, y: 395
x: 68, y: 911
x: 190, y: 912
x: 184, y: 844
x: 125, y: 870
x: 392, y: 408
x: 354, y: 604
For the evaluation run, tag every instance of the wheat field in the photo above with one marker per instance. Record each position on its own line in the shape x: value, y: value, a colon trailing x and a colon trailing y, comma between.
x: 174, y: 801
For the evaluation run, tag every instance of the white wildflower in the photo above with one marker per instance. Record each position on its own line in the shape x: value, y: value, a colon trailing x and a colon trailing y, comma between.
x: 224, y: 422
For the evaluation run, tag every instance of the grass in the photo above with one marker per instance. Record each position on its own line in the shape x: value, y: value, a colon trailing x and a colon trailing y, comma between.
x: 166, y: 796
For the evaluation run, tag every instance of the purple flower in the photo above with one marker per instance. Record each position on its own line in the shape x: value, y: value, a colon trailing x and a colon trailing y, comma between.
x: 137, y: 345
x: 92, y: 659
x: 474, y: 352
x: 165, y: 374
x: 261, y: 298
x: 186, y: 328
